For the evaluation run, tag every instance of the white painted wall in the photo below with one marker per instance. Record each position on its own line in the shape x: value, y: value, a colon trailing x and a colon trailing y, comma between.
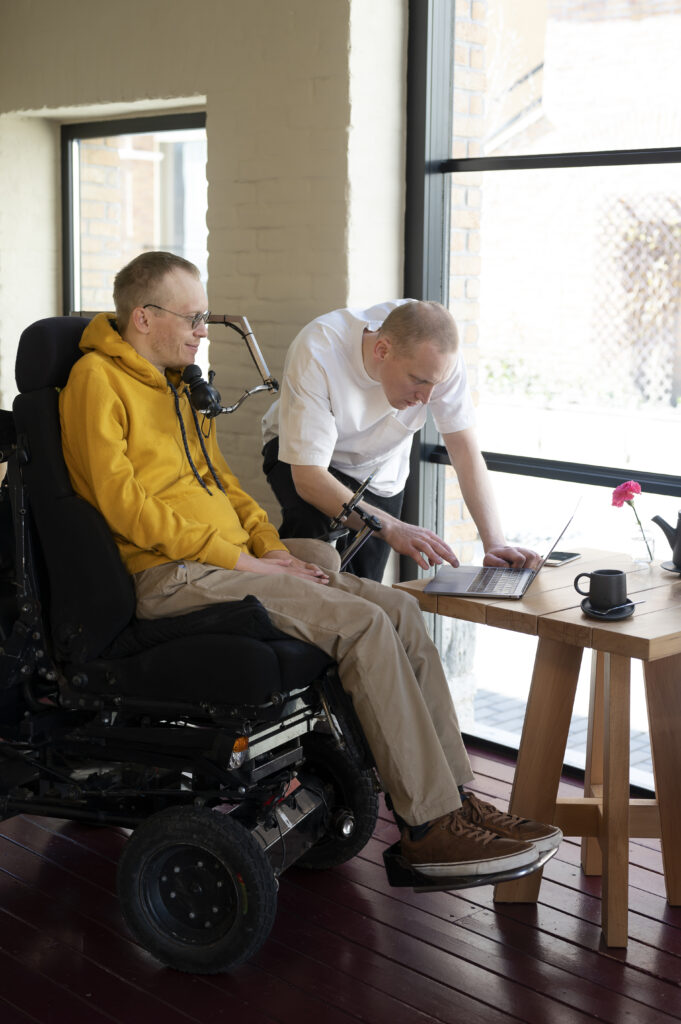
x: 376, y: 151
x: 30, y: 273
x: 305, y: 120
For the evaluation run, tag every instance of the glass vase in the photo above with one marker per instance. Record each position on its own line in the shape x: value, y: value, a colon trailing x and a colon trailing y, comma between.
x: 642, y: 546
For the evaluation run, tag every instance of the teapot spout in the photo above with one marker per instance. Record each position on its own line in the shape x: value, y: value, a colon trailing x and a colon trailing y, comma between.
x: 669, y: 532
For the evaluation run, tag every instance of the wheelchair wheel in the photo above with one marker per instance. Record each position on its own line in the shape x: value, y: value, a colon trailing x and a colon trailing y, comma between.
x: 196, y: 890
x: 351, y: 798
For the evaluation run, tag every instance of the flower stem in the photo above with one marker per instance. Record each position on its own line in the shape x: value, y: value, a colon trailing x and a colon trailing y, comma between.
x: 645, y: 539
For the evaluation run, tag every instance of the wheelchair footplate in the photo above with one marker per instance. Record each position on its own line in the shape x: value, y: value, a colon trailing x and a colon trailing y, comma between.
x: 401, y: 874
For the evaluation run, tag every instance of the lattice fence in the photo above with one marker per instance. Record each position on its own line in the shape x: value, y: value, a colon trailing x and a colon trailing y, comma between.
x: 638, y: 314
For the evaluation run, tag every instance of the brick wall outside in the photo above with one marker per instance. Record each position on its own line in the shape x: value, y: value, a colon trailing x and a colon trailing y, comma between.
x: 118, y: 207
x: 470, y: 84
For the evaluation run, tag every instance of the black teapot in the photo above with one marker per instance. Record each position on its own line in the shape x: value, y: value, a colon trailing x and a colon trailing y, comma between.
x: 673, y: 536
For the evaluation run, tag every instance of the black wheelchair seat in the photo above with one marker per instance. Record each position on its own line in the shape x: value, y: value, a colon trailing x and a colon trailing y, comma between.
x: 156, y: 659
x: 258, y: 654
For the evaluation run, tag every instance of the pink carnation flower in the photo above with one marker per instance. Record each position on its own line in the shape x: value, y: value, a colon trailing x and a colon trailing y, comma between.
x: 625, y: 492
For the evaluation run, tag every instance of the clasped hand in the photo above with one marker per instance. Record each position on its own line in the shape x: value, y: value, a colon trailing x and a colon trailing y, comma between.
x: 284, y: 562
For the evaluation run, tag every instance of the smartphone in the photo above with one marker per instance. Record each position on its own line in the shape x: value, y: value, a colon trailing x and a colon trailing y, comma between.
x: 560, y: 557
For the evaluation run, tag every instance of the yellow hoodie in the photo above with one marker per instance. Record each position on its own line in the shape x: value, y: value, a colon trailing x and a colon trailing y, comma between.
x: 125, y: 455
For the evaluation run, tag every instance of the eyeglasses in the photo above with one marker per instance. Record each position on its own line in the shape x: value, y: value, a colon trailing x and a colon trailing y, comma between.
x: 195, y: 320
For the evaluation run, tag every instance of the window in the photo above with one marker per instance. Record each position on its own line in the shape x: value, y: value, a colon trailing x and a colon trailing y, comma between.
x: 550, y: 159
x: 565, y: 270
x: 130, y: 186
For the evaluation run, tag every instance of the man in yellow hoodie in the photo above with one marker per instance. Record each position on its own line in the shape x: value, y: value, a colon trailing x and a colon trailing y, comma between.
x: 190, y: 536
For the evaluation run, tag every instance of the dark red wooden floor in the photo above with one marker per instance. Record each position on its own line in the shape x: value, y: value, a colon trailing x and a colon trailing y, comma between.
x: 345, y: 946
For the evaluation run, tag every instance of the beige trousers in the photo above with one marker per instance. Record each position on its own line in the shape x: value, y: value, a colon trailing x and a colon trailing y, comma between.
x: 385, y: 658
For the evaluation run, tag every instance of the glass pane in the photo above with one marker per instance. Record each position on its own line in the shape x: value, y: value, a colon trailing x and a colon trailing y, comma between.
x: 136, y: 193
x: 566, y: 285
x: 534, y: 510
x: 559, y: 76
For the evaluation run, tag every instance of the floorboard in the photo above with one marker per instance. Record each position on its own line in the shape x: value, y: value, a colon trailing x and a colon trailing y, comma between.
x: 345, y: 948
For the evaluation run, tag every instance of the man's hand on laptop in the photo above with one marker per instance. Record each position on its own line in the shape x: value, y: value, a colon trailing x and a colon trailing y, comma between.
x: 424, y: 546
x: 505, y: 555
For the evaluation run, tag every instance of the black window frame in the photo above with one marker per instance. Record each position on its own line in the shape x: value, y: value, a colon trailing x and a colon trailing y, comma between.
x: 93, y: 130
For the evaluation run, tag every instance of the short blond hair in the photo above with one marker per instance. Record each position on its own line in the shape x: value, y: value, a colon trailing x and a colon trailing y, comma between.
x: 412, y: 323
x: 139, y: 280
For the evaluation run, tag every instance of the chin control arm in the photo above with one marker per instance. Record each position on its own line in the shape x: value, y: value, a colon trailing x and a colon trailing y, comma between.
x: 204, y: 397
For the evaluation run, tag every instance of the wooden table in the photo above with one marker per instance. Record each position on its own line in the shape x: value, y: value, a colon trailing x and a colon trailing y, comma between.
x: 605, y: 816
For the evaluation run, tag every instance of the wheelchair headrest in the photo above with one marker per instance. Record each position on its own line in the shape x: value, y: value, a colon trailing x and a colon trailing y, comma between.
x: 47, y: 351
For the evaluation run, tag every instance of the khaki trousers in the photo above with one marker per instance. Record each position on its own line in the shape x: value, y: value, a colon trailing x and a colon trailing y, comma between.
x: 385, y: 658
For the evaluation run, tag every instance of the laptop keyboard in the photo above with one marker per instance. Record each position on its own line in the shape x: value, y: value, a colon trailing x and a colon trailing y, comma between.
x: 496, y: 581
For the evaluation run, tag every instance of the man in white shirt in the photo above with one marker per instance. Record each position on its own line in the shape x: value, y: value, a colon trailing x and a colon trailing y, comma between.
x: 355, y: 389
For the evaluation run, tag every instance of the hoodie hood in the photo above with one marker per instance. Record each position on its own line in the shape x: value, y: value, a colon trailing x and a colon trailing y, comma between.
x: 164, y: 489
x: 101, y: 335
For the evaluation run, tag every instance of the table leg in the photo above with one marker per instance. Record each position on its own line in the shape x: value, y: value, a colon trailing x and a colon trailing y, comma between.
x: 615, y: 824
x: 542, y: 748
x: 592, y: 860
x: 663, y: 693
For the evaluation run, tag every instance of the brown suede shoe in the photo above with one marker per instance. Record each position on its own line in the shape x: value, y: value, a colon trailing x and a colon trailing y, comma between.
x: 452, y: 846
x: 510, y: 826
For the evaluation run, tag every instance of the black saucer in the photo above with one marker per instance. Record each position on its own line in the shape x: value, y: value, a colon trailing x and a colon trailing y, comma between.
x: 670, y: 567
x: 615, y: 616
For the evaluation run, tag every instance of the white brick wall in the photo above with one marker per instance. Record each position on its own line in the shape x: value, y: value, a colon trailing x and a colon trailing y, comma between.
x: 305, y: 119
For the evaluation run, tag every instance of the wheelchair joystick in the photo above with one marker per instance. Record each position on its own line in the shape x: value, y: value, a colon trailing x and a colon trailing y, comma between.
x: 203, y: 396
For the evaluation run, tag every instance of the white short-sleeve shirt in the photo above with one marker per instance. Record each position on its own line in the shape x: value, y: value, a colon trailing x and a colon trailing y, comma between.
x: 331, y: 413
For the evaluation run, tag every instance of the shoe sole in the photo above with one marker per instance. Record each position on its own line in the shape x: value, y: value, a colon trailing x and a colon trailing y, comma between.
x: 547, y: 843
x: 480, y: 868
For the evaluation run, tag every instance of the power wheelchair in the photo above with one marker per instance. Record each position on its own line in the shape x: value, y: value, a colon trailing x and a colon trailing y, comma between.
x: 229, y: 748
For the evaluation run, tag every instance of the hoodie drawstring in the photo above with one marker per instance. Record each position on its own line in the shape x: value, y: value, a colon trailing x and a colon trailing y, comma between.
x: 206, y: 456
x: 201, y: 442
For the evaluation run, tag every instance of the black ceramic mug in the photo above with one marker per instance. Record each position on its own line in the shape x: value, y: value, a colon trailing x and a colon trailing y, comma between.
x: 607, y: 588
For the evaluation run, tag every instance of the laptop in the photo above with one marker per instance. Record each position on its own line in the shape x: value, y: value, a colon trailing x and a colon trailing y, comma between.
x: 488, y: 581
